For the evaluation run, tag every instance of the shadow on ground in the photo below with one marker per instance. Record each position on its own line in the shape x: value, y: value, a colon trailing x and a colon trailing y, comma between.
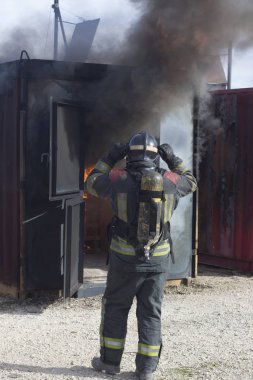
x: 78, y: 371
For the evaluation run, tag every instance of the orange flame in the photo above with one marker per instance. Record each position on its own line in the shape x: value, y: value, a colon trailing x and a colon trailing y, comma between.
x: 86, y: 172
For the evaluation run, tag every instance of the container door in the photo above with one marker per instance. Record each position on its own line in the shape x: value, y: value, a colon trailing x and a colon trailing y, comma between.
x: 42, y: 267
x: 73, y: 246
x: 177, y: 130
x: 66, y: 151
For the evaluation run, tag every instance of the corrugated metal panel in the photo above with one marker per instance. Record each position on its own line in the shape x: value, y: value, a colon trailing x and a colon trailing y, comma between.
x: 226, y: 182
x: 9, y: 188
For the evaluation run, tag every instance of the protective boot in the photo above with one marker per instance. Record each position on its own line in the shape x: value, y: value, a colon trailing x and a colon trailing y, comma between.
x: 144, y: 375
x: 110, y: 369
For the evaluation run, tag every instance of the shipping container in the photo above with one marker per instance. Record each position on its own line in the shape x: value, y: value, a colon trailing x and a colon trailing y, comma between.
x: 56, y: 120
x: 225, y: 183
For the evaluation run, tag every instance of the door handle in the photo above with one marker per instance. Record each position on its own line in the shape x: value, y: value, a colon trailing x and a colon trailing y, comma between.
x: 44, y: 157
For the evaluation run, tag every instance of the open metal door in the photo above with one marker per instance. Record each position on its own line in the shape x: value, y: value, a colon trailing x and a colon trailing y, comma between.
x: 177, y: 129
x: 66, y: 184
x: 73, y: 246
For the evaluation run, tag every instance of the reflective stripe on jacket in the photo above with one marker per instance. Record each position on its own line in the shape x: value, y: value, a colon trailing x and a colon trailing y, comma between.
x: 122, y: 247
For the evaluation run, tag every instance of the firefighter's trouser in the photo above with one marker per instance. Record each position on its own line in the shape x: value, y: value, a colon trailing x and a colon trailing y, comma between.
x: 120, y: 291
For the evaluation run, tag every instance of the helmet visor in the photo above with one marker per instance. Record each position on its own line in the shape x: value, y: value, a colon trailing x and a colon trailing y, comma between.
x: 148, y: 148
x: 142, y: 153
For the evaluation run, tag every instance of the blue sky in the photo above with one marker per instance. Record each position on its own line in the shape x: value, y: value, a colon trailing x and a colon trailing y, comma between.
x: 116, y: 17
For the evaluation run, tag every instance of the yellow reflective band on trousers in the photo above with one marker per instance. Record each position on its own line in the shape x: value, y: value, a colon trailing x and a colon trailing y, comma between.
x: 122, y: 206
x: 122, y: 247
x: 147, y: 350
x: 114, y: 343
x: 168, y: 207
x: 103, y: 167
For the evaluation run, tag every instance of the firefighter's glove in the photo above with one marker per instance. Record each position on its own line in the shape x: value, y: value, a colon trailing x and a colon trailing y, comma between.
x: 117, y: 152
x: 167, y: 154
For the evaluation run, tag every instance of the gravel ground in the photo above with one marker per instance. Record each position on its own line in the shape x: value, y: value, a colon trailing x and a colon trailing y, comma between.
x: 207, y: 334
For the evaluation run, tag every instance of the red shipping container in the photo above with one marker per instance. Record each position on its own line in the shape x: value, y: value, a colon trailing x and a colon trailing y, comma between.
x: 226, y: 184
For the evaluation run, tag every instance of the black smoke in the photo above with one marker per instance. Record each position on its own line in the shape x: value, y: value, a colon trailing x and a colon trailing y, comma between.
x: 169, y: 49
x: 21, y: 38
x: 175, y: 40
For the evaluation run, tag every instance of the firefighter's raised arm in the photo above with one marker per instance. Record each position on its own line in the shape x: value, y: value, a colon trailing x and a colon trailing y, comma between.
x: 98, y: 182
x: 186, y: 182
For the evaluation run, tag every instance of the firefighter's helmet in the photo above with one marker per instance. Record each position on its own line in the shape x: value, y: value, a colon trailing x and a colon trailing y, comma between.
x: 142, y: 147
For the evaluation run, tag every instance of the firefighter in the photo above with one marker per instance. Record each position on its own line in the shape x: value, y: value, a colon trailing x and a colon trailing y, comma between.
x: 143, y: 198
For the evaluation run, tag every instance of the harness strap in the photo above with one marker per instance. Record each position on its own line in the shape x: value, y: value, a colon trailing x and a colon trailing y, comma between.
x: 125, y: 230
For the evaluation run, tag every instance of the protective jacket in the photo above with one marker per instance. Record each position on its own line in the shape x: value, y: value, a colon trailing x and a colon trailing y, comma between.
x: 121, y: 186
